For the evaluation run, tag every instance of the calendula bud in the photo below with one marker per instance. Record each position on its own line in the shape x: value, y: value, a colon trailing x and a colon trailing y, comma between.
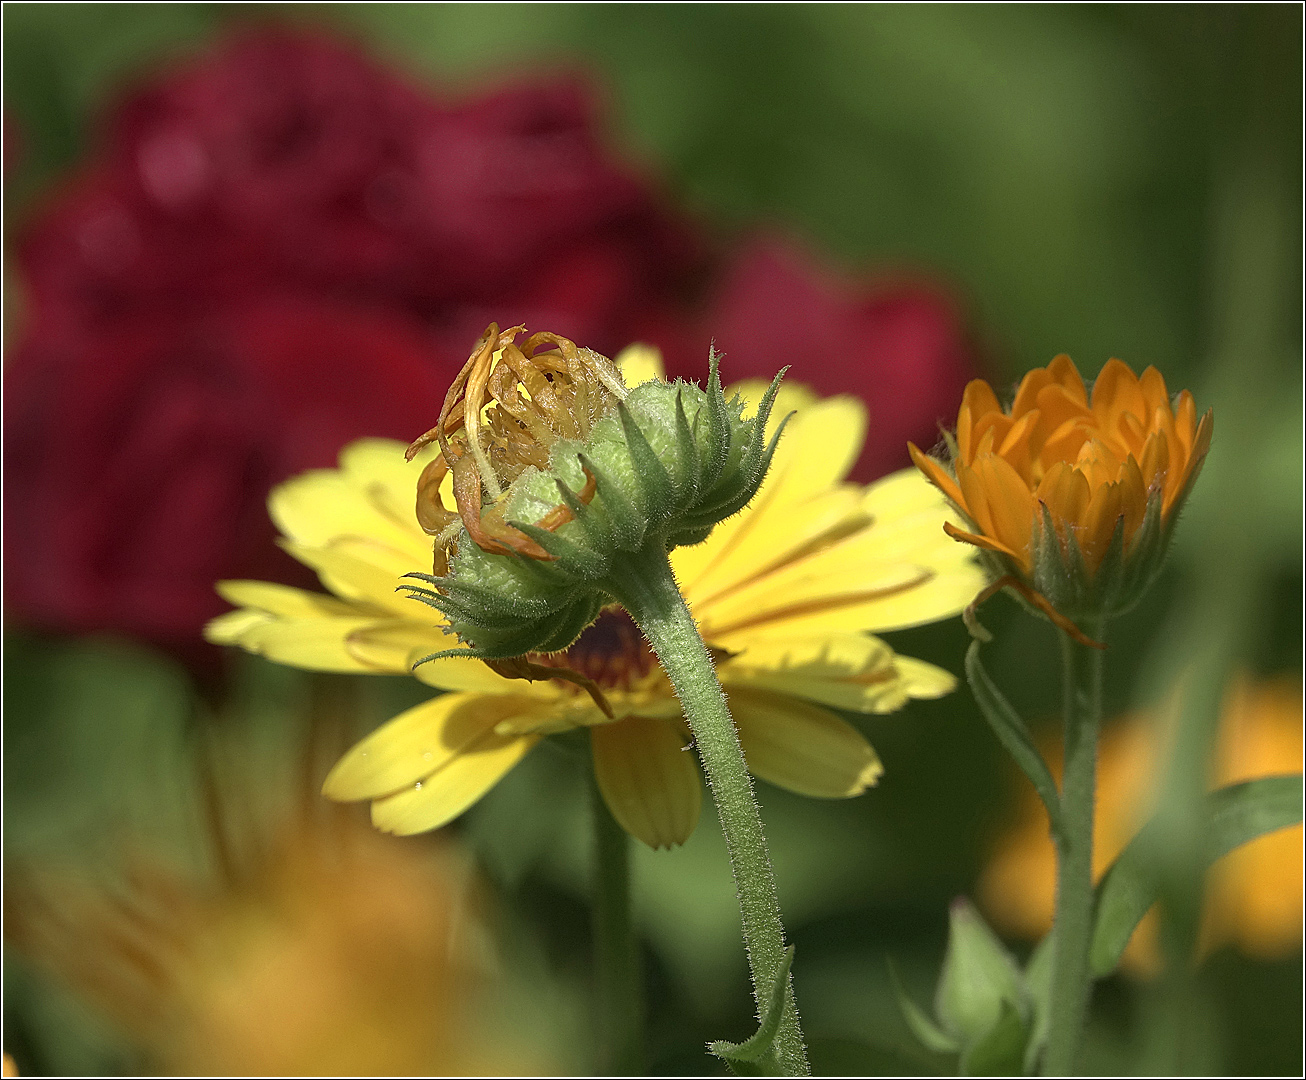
x: 558, y: 470
x: 1076, y: 501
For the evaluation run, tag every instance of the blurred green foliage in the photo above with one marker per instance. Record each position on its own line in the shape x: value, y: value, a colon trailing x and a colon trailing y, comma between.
x: 1097, y: 180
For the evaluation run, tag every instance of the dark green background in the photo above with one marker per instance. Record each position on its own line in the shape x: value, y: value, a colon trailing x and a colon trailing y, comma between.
x: 1097, y: 180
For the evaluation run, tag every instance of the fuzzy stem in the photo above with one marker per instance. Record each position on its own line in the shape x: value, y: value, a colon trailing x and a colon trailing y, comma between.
x: 646, y: 587
x: 1082, y: 670
x: 619, y: 1006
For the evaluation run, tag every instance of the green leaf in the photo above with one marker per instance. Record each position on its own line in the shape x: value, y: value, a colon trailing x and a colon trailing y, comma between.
x: 756, y: 1048
x: 1013, y: 734
x: 1237, y: 814
x: 1002, y: 1051
x: 931, y: 1036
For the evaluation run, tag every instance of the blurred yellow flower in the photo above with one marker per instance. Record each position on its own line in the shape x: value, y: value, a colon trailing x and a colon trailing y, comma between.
x: 1253, y: 895
x: 318, y: 947
x: 786, y: 593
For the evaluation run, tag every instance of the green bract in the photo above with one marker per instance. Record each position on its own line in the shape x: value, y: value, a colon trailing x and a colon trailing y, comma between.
x: 667, y: 464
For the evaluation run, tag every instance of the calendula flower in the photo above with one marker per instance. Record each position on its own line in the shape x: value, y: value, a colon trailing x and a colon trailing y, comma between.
x: 786, y: 593
x: 315, y: 947
x: 1254, y: 893
x: 1073, y: 498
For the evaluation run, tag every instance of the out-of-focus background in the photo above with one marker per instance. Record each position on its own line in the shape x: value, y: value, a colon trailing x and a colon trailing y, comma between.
x: 238, y: 236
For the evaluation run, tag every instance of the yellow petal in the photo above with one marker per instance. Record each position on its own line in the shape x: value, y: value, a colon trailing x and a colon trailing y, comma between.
x: 801, y: 747
x: 228, y: 629
x: 921, y: 680
x: 282, y: 600
x: 873, y: 575
x: 366, y: 580
x: 648, y: 778
x: 845, y: 671
x: 419, y: 742
x: 439, y: 799
x: 396, y: 643
x: 818, y: 448
x: 639, y: 364
x: 312, y: 644
x: 318, y: 507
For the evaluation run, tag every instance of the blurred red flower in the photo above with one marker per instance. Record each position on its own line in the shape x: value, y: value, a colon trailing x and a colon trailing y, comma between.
x: 900, y: 345
x: 282, y: 246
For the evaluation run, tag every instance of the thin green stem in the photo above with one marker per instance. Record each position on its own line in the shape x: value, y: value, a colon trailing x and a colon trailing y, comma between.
x: 646, y: 587
x: 619, y: 1005
x: 1082, y: 669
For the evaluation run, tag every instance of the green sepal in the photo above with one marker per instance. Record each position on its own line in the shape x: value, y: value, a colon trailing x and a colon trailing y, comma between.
x: 651, y: 475
x: 931, y: 1036
x: 718, y: 419
x: 1001, y: 1051
x: 1038, y: 981
x: 1237, y: 814
x: 978, y: 975
x: 572, y: 558
x: 591, y: 521
x: 687, y: 451
x: 625, y: 518
x: 758, y: 1046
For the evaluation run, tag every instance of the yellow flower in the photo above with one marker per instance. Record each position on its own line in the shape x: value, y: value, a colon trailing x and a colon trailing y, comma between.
x: 1253, y: 894
x: 786, y: 593
x: 1089, y: 472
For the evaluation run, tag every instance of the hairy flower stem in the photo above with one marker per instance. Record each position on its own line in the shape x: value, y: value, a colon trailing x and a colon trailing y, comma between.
x: 619, y: 1006
x: 646, y: 587
x: 1082, y: 670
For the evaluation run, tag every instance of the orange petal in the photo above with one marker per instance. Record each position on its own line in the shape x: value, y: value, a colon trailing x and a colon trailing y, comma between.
x: 1201, y: 445
x: 1015, y: 447
x: 1155, y: 395
x: 1100, y: 523
x: 1065, y: 442
x: 1058, y: 405
x: 1133, y: 497
x: 1155, y: 463
x: 1011, y: 503
x: 1027, y: 394
x: 1065, y: 492
x: 986, y: 542
x: 1185, y: 421
x: 1117, y: 391
x: 977, y: 499
x: 1099, y: 463
x: 937, y: 475
x: 977, y: 400
x: 1066, y: 375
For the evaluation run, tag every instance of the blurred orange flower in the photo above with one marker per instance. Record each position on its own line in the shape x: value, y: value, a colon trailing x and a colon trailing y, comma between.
x: 319, y: 947
x: 1253, y: 894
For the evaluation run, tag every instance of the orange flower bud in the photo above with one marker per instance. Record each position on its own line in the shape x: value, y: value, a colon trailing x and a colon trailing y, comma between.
x: 1074, y: 497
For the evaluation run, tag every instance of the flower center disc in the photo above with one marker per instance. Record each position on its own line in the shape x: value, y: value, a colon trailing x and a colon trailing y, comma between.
x: 611, y: 651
